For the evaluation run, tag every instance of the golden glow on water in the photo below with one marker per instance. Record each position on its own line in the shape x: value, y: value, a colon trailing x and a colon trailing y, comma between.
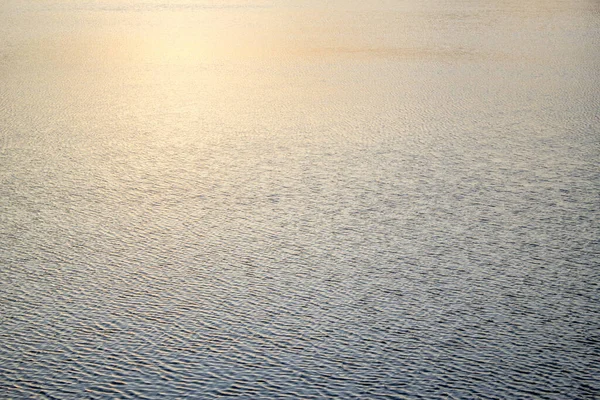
x: 243, y: 63
x: 175, y: 36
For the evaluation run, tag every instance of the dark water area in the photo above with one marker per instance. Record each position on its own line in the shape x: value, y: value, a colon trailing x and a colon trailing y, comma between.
x: 301, y: 199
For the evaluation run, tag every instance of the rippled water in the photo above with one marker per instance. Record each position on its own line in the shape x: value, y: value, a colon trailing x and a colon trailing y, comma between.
x: 305, y: 199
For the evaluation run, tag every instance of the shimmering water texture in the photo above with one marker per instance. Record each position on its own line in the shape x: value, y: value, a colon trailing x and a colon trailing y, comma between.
x: 301, y: 199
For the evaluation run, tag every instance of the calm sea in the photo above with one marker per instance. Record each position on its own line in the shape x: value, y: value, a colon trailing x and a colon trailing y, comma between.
x: 300, y: 199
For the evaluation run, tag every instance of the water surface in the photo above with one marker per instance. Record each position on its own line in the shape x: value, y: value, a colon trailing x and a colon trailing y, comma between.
x: 304, y: 199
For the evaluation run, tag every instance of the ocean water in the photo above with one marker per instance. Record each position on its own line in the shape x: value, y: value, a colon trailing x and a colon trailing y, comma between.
x: 300, y: 198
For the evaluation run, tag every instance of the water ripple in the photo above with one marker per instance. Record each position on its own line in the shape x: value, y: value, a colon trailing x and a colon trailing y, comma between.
x: 335, y: 218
